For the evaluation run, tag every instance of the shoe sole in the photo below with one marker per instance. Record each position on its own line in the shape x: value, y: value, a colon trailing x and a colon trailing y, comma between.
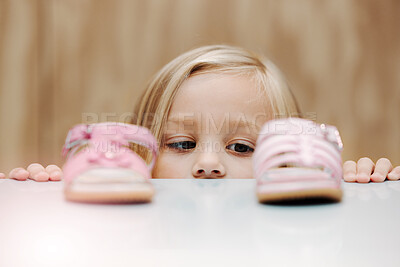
x: 334, y: 195
x: 293, y: 184
x: 111, y: 198
x: 109, y: 185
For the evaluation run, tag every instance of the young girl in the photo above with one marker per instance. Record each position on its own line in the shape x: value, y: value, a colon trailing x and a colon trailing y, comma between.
x: 205, y: 109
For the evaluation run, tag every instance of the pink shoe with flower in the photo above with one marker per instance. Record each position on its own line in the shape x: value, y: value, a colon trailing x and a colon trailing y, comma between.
x: 101, y: 167
x: 298, y: 159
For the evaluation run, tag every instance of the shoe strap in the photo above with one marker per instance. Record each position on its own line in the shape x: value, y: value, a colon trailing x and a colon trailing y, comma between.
x: 117, y: 133
x: 300, y: 142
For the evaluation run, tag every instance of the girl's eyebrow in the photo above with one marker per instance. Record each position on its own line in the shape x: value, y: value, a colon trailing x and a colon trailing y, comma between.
x: 233, y: 124
x: 240, y: 123
x: 181, y: 120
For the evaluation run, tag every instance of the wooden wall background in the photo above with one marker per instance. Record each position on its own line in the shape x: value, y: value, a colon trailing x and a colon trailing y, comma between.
x: 60, y: 59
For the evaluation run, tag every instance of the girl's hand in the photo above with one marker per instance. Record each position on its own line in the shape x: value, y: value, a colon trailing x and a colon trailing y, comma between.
x: 365, y: 170
x: 36, y: 172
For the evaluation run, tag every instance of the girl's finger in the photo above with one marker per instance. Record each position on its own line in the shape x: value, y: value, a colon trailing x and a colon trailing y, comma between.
x: 382, y: 168
x: 37, y: 172
x: 19, y: 174
x: 349, y: 171
x: 54, y: 172
x: 394, y: 175
x: 365, y: 166
x: 2, y: 175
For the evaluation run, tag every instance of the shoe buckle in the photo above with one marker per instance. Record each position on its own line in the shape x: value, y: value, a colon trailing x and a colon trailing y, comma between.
x: 82, y: 139
x: 332, y: 135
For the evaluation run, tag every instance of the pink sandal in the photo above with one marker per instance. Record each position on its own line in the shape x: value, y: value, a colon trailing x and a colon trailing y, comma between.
x: 101, y: 167
x: 312, y: 155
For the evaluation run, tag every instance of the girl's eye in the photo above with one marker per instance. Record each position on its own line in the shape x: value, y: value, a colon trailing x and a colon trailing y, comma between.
x: 240, y: 148
x: 183, y: 145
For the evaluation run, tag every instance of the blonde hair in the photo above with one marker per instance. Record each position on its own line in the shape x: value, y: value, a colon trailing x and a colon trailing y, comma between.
x: 153, y: 107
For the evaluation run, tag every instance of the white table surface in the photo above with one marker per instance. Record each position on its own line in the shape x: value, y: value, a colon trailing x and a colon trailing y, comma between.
x: 198, y: 223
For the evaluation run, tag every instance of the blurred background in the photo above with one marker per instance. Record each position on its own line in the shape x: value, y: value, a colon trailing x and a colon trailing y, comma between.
x: 64, y: 62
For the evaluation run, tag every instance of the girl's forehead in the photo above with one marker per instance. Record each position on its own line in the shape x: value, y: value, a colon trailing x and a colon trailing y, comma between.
x: 217, y: 93
x: 222, y: 101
